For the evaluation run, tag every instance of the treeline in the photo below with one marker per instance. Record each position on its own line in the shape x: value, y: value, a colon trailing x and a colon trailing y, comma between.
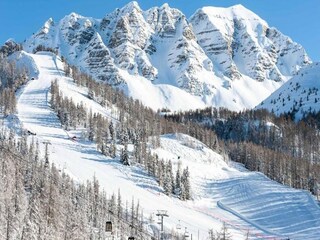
x: 42, y: 48
x: 9, y: 47
x: 38, y: 201
x: 11, y: 78
x: 283, y: 149
x: 110, y: 133
x: 135, y: 115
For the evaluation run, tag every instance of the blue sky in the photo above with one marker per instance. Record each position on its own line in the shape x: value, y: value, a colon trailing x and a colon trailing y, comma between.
x: 299, y: 19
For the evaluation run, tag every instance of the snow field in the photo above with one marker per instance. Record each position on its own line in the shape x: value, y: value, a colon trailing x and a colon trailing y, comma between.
x: 222, y: 193
x: 299, y: 94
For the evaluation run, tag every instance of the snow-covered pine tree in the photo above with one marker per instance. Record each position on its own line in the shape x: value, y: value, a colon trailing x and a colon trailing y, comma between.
x: 177, y: 188
x: 168, y: 182
x: 112, y: 148
x: 119, y: 206
x: 124, y: 158
x: 92, y: 129
x: 224, y: 233
x: 185, y: 185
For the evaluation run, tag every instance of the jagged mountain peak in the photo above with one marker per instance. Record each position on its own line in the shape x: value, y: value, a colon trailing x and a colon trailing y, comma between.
x: 165, y: 21
x: 72, y: 17
x: 46, y: 27
x: 77, y: 21
x: 168, y: 9
x: 219, y: 55
x: 240, y: 11
x: 226, y: 20
x: 165, y: 5
x: 132, y: 5
x: 73, y: 22
x: 239, y: 6
x: 236, y: 11
x: 245, y: 44
x: 49, y: 22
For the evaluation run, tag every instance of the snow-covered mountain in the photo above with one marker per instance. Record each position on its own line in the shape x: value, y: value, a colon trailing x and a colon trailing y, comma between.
x: 298, y: 96
x: 248, y: 202
x: 226, y: 57
x: 239, y: 42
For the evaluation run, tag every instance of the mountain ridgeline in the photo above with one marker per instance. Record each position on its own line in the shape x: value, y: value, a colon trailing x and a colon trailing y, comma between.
x: 218, y: 57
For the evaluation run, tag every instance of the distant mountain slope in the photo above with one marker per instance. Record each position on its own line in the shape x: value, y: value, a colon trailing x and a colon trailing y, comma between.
x: 223, y: 57
x: 299, y: 95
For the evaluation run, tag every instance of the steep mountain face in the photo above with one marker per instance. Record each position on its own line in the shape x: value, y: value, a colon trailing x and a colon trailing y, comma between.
x: 240, y: 43
x: 219, y: 57
x: 299, y: 95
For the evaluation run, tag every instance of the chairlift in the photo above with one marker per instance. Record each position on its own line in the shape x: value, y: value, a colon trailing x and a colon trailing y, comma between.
x: 108, y: 226
x: 186, y: 233
x: 178, y: 226
x: 46, y: 142
x: 31, y: 133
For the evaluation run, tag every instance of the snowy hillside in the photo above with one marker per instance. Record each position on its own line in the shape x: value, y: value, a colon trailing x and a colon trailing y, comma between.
x: 222, y: 192
x: 299, y: 95
x: 219, y: 57
x: 23, y: 61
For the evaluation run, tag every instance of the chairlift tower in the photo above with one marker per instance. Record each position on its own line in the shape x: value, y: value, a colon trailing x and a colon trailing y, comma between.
x: 161, y: 214
x: 179, y: 226
x: 186, y: 233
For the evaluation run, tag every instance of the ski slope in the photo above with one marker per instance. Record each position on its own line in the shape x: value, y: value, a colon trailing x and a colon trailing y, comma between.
x: 246, y: 201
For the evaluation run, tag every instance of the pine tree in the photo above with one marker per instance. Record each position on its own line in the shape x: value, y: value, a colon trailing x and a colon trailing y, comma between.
x: 113, y: 140
x: 92, y: 129
x: 160, y: 172
x: 177, y: 189
x: 124, y: 158
x: 168, y: 179
x: 112, y: 131
x: 185, y: 185
x: 46, y: 154
x: 224, y: 233
x: 119, y: 207
x: 132, y: 213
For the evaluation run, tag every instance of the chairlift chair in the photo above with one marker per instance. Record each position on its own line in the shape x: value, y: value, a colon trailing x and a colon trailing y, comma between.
x: 186, y: 233
x: 178, y: 226
x: 108, y: 227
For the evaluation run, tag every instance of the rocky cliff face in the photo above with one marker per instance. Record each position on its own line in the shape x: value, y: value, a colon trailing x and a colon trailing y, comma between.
x: 202, y: 56
x: 240, y: 43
